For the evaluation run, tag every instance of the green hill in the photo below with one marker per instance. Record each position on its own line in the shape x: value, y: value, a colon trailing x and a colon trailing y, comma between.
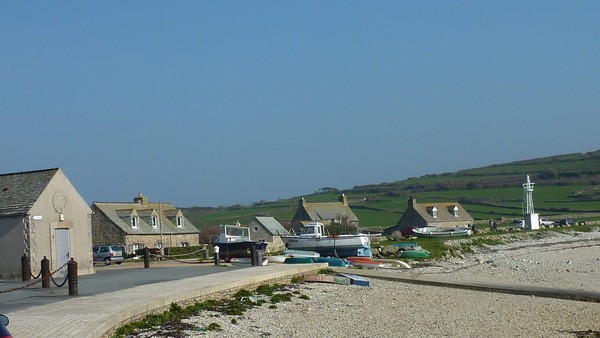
x: 564, y: 185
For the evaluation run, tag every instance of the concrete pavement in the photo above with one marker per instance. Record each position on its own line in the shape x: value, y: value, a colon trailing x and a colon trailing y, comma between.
x: 98, y: 311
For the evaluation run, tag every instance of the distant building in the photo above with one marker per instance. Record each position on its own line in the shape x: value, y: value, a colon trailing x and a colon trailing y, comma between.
x: 448, y: 214
x: 268, y: 229
x: 41, y: 214
x: 328, y: 213
x: 140, y: 224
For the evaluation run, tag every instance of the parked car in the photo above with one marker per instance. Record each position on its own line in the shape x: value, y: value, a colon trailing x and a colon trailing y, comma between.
x: 519, y: 223
x: 567, y: 222
x: 108, y: 254
x: 546, y: 222
x: 3, y: 330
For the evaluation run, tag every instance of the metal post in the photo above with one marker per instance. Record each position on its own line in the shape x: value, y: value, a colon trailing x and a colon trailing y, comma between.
x: 72, y: 275
x: 206, y: 253
x: 25, y: 268
x: 259, y: 258
x: 253, y: 254
x: 146, y: 258
x: 45, y: 273
x: 217, y: 259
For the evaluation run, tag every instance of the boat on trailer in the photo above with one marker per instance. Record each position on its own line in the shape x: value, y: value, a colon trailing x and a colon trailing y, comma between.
x: 234, y: 242
x: 312, y: 237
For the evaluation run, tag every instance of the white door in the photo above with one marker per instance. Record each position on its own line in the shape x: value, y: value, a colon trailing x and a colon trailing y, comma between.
x: 63, y: 250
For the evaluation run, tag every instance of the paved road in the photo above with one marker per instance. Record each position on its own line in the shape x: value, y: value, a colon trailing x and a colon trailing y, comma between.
x: 97, y: 311
x: 108, y: 278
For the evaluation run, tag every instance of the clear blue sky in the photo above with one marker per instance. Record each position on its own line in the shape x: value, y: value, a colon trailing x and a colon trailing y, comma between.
x: 207, y: 103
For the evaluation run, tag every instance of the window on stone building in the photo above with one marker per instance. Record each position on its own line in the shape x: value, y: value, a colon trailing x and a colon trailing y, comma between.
x: 434, y: 212
x: 134, y: 221
x: 154, y: 221
x: 179, y: 221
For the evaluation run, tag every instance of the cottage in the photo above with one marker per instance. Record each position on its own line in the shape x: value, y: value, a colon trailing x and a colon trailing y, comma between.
x: 140, y: 224
x: 328, y: 213
x: 42, y: 215
x: 449, y: 215
x: 269, y: 230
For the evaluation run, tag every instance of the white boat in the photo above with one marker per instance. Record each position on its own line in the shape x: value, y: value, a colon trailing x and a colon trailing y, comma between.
x: 278, y: 259
x: 247, y: 260
x: 312, y: 238
x: 301, y: 253
x: 441, y: 232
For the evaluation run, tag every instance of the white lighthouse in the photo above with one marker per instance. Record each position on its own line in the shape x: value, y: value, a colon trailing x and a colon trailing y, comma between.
x: 532, y: 220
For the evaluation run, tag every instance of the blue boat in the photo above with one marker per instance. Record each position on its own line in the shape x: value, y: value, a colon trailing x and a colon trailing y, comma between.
x: 299, y: 260
x: 333, y: 261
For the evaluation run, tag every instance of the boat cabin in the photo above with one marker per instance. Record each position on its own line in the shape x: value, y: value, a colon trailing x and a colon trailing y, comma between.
x: 314, y: 229
x: 234, y: 233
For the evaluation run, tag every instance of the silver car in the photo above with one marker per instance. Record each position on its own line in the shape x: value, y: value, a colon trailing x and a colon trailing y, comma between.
x: 108, y: 254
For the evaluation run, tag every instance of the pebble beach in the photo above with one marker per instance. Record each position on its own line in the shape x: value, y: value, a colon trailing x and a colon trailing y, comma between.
x: 568, y: 260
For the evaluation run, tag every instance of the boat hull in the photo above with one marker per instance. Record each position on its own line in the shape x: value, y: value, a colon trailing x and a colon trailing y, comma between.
x: 414, y: 254
x: 243, y: 249
x: 331, y: 246
x: 437, y: 232
x: 365, y: 262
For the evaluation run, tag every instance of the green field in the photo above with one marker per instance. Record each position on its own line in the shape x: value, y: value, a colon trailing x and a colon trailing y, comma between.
x: 565, y: 185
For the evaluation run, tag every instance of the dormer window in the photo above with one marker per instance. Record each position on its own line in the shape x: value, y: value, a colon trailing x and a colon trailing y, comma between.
x: 434, y: 212
x: 135, y: 221
x: 154, y: 222
x: 455, y: 210
x: 179, y: 221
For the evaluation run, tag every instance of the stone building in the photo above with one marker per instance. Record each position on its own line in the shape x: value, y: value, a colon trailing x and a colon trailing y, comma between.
x: 447, y: 214
x: 140, y: 224
x: 269, y: 230
x: 327, y: 213
x: 42, y: 215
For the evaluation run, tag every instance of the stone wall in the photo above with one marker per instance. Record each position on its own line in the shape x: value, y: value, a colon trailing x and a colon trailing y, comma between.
x: 169, y: 240
x: 103, y: 230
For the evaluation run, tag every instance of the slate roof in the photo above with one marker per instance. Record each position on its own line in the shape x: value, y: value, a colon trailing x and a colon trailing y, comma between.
x: 445, y: 212
x: 20, y: 191
x: 120, y: 215
x: 329, y: 210
x: 272, y: 225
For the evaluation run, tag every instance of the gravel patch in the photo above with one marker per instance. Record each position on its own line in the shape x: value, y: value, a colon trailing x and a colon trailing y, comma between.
x: 395, y: 309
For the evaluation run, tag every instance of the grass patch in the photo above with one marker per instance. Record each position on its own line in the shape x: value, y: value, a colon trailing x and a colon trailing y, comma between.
x: 170, y: 321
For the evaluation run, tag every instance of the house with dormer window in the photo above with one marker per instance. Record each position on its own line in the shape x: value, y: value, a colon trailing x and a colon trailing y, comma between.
x: 141, y: 224
x: 446, y: 214
x: 327, y: 213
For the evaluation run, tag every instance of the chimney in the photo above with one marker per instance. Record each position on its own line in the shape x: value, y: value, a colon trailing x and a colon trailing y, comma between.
x: 344, y: 199
x: 412, y: 202
x: 302, y: 202
x: 141, y: 200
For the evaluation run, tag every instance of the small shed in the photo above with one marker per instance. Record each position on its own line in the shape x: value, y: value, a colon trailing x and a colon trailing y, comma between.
x: 269, y: 230
x: 42, y: 215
